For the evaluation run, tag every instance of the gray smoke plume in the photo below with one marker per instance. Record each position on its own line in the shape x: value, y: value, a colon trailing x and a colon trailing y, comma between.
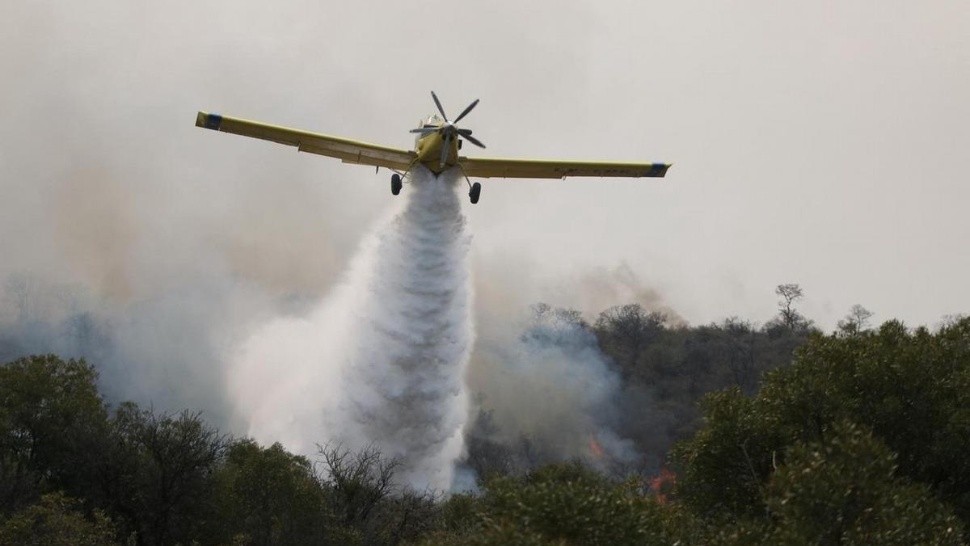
x: 381, y: 361
x: 548, y: 393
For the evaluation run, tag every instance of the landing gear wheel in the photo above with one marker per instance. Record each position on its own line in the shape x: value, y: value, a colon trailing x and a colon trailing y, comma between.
x: 475, y: 192
x: 396, y: 184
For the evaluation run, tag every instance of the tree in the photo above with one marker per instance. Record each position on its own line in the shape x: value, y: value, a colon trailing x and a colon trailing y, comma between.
x: 823, y: 495
x: 359, y: 481
x: 56, y: 520
x: 163, y: 467
x: 911, y: 389
x: 790, y: 317
x: 570, y: 504
x: 52, y: 422
x: 625, y: 331
x: 269, y: 496
x: 367, y: 503
x: 723, y: 468
x: 486, y: 456
x: 739, y: 351
x: 856, y: 321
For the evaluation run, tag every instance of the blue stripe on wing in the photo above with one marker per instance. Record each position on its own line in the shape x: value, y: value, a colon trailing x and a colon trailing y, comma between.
x: 213, y: 121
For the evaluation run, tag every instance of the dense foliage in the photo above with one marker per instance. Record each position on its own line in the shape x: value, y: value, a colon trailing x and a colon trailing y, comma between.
x: 910, y: 390
x: 860, y: 439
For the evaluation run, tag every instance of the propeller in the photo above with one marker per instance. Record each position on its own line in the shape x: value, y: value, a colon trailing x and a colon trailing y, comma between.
x: 449, y: 130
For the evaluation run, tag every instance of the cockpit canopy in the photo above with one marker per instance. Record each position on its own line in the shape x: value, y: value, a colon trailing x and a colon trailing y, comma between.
x: 434, y: 120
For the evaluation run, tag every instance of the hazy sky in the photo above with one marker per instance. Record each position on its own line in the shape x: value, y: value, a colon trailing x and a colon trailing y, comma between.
x: 819, y: 142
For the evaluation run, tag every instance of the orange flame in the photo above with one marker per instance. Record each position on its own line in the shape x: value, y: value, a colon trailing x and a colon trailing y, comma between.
x: 595, y: 448
x: 662, y: 483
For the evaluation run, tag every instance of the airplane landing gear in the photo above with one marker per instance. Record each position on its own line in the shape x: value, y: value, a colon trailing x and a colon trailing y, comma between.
x: 475, y: 192
x: 396, y: 184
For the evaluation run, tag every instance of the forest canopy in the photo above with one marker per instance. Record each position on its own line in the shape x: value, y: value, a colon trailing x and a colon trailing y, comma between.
x: 768, y: 435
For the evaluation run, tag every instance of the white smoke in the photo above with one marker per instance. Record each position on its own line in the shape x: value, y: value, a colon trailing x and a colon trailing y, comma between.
x: 380, y: 361
x: 548, y: 382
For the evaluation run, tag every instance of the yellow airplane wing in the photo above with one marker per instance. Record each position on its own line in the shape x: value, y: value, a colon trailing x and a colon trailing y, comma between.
x: 530, y: 168
x: 348, y: 151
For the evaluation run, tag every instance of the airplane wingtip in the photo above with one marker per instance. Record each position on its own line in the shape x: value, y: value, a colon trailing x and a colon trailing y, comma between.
x: 659, y: 170
x: 208, y: 121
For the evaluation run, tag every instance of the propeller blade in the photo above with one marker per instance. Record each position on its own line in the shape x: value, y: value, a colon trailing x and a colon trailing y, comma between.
x: 474, y: 140
x: 438, y: 104
x: 425, y: 130
x: 445, y: 148
x: 464, y: 132
x: 465, y: 111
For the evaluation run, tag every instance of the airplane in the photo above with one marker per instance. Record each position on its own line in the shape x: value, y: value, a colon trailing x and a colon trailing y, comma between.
x: 437, y: 145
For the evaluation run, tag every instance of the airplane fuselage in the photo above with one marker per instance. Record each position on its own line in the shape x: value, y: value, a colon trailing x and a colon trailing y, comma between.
x: 428, y: 147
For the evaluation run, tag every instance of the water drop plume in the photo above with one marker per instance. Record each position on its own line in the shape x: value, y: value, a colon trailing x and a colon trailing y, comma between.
x: 381, y: 361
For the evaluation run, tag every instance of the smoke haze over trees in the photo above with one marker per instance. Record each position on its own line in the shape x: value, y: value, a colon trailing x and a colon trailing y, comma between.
x: 859, y: 438
x: 553, y: 387
x: 628, y: 382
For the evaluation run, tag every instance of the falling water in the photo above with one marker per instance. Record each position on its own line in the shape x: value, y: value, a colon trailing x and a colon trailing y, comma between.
x: 381, y: 361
